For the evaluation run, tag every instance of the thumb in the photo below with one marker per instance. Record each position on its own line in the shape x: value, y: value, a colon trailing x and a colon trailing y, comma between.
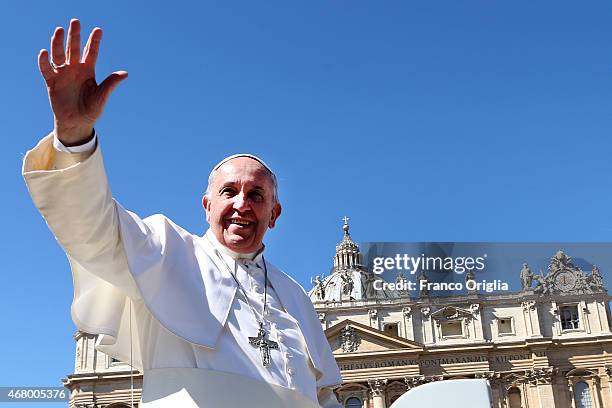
x: 110, y: 83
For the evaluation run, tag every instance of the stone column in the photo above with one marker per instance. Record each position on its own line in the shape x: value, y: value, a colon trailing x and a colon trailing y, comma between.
x: 597, y: 392
x: 545, y: 392
x: 497, y: 395
x: 427, y: 327
x: 478, y: 333
x: 602, y: 317
x: 556, y: 320
x: 374, y: 322
x: 606, y: 386
x: 542, y: 379
x: 532, y: 321
x: 377, y: 388
x: 408, y: 326
x: 561, y: 392
x: 585, y: 313
x: 322, y: 319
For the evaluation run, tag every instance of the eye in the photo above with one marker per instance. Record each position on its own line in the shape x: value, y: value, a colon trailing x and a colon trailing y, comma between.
x: 228, y: 191
x: 256, y: 196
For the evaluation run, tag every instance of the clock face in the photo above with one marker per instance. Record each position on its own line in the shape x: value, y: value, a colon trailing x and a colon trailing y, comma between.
x: 565, y: 281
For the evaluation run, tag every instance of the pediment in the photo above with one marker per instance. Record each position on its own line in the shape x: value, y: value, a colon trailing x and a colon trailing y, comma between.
x: 451, y: 313
x: 348, y: 336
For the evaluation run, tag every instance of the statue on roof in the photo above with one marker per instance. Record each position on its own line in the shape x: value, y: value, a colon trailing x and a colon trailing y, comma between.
x: 347, y: 283
x: 423, y: 289
x: 526, y: 277
x: 319, y: 289
x: 369, y: 280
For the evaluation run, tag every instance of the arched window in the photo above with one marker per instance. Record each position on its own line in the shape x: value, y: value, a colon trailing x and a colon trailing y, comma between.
x: 582, y: 394
x: 353, y: 402
x: 514, y: 398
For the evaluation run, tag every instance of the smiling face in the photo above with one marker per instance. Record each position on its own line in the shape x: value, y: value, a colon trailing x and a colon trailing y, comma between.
x: 240, y: 204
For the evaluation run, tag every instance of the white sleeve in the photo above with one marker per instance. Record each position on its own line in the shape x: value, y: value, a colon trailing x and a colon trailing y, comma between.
x: 86, y: 147
x: 72, y: 194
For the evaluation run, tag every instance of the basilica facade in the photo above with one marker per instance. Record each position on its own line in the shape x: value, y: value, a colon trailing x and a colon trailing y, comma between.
x: 547, y: 345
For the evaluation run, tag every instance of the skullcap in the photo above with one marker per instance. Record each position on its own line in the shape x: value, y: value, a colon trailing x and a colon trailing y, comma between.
x: 250, y: 156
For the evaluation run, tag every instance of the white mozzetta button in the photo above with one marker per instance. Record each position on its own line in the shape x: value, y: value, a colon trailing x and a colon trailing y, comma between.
x: 280, y: 338
x: 290, y: 371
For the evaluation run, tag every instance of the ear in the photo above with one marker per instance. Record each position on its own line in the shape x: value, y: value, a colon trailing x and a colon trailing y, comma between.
x: 276, y: 212
x: 206, y: 205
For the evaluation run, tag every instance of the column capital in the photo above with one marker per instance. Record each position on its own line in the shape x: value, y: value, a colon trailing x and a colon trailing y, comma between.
x: 541, y: 375
x: 377, y: 386
x: 412, y: 381
x: 528, y: 305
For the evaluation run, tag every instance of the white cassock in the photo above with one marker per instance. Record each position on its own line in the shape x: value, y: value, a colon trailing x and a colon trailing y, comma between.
x: 189, y: 321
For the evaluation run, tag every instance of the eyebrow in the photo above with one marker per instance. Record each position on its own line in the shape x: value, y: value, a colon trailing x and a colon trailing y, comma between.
x: 233, y: 183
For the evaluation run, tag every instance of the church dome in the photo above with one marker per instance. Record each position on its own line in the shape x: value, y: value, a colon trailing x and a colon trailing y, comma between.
x: 347, y: 252
x: 349, y: 279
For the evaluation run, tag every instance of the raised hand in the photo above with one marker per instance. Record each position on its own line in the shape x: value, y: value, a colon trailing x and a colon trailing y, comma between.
x: 76, y: 98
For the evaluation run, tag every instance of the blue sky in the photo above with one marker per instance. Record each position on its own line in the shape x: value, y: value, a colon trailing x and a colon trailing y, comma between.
x: 422, y: 121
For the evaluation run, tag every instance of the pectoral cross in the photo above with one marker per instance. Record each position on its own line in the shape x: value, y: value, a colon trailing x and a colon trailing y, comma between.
x: 264, y: 345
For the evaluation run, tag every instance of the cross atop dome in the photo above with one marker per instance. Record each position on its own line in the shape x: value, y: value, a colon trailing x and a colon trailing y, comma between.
x: 346, y: 224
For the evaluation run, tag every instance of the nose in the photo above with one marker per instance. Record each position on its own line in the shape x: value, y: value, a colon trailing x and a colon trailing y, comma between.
x: 241, y: 202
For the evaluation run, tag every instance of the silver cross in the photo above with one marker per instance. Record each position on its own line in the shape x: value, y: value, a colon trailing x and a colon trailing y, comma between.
x: 264, y: 345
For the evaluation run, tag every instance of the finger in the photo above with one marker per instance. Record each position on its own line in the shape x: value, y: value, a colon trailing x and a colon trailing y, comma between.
x: 110, y: 83
x: 73, y: 45
x: 45, y: 67
x: 90, y: 54
x: 57, y: 47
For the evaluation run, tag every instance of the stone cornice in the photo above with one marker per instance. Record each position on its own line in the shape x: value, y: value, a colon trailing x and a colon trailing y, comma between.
x: 377, y: 354
x: 582, y: 340
x: 78, y: 334
x: 432, y: 352
x: 100, y: 376
x: 493, y: 299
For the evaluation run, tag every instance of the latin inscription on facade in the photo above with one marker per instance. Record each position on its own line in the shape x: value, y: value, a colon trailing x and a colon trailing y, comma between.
x: 434, y: 362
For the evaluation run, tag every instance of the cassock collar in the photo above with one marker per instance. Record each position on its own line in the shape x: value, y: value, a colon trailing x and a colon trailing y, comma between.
x: 253, y: 256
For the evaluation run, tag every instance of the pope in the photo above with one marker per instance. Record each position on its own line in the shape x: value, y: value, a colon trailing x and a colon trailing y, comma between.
x: 208, y: 319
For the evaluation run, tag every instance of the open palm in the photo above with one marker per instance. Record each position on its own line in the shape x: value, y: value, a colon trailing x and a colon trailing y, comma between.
x: 76, y: 98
